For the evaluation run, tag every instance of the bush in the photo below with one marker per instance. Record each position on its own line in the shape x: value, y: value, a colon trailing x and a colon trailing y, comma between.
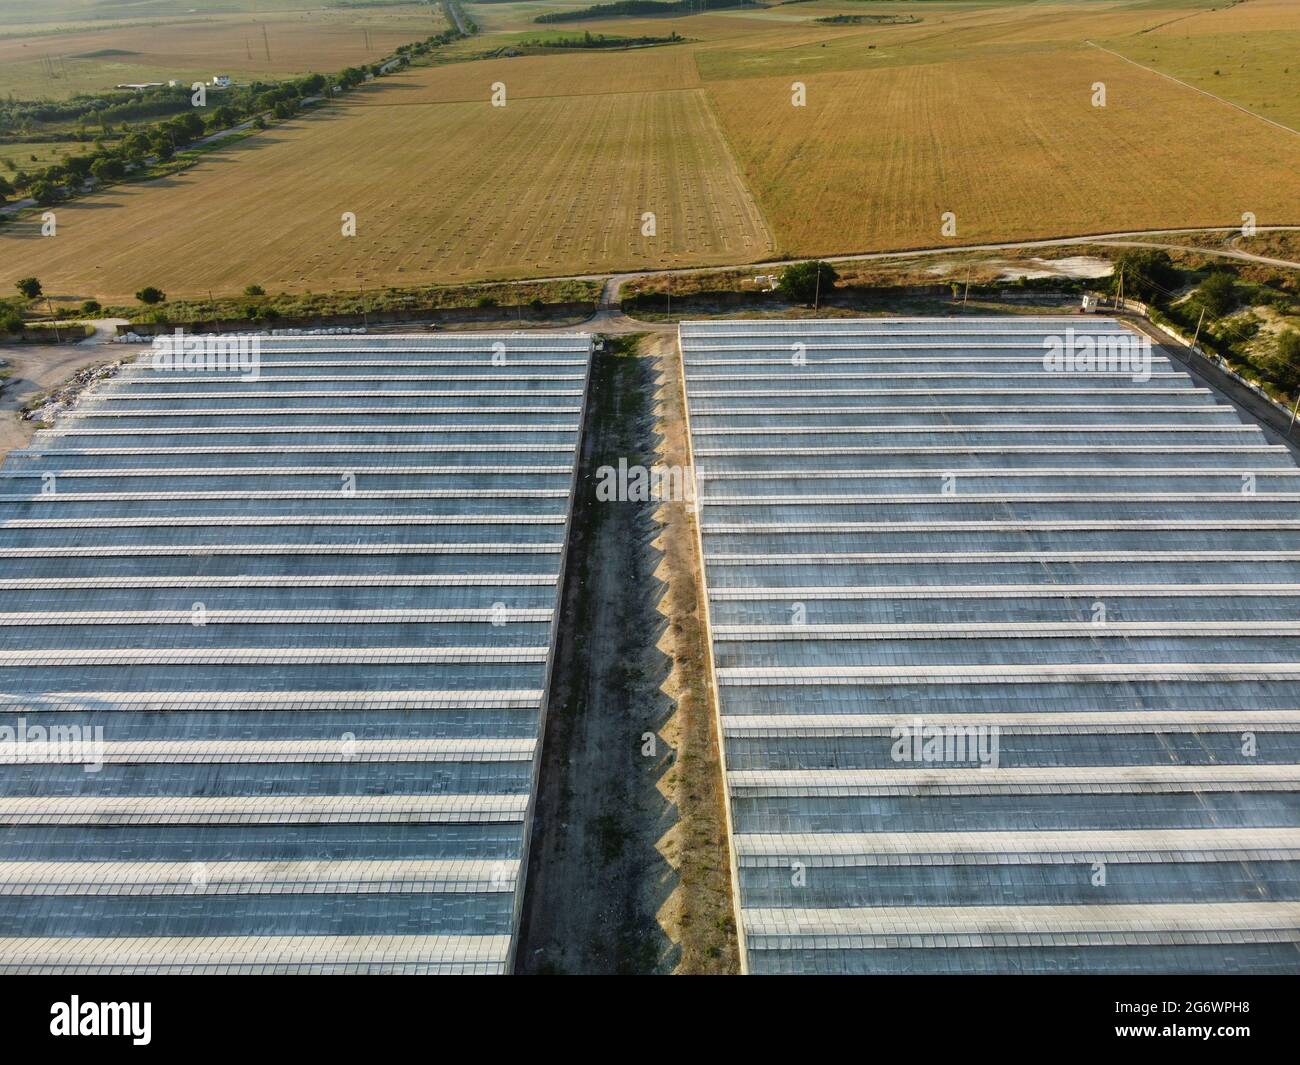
x: 1217, y: 293
x: 485, y: 301
x: 107, y: 169
x: 807, y: 280
x: 45, y: 194
x: 151, y: 295
x: 1149, y: 276
x: 222, y: 117
x: 1284, y: 366
x: 254, y: 290
x: 28, y: 286
x: 11, y: 319
x: 91, y: 307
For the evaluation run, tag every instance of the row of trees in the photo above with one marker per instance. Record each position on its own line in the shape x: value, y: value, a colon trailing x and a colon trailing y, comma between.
x: 30, y: 288
x: 598, y: 40
x: 107, y: 161
x: 111, y: 161
x: 640, y: 7
x: 104, y: 110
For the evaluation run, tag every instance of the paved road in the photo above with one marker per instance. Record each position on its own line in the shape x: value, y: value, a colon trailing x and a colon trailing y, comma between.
x: 453, y: 13
x: 1275, y: 422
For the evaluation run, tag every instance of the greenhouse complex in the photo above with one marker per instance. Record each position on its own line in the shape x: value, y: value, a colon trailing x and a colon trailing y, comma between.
x: 1003, y: 632
x: 998, y: 616
x: 275, y: 633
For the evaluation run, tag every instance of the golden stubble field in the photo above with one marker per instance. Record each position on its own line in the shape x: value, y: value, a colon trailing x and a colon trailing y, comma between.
x: 1248, y: 53
x: 277, y: 44
x: 441, y: 192
x: 983, y: 110
x: 1012, y: 146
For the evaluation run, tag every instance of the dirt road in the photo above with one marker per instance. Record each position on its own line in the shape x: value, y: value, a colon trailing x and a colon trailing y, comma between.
x: 596, y: 879
x: 37, y: 368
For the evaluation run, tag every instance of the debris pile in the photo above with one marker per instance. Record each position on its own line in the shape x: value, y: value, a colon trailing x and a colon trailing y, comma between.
x: 46, y: 409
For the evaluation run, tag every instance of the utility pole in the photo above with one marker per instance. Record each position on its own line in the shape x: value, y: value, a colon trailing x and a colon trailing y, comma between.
x: 53, y: 321
x: 966, y: 293
x: 670, y: 295
x: 817, y: 289
x: 1197, y: 336
x: 1294, y: 411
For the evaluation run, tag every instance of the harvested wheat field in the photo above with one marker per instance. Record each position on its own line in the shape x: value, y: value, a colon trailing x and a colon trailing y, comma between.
x: 1248, y: 53
x: 983, y: 110
x: 441, y: 192
x: 1012, y: 146
x: 532, y: 76
x: 280, y: 44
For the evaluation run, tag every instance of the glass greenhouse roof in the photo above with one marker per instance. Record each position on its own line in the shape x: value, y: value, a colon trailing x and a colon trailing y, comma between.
x: 1007, y: 650
x: 273, y: 657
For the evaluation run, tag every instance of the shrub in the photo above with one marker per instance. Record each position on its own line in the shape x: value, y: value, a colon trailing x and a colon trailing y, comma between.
x: 805, y: 281
x: 151, y: 295
x: 11, y: 319
x: 91, y: 307
x: 254, y: 290
x: 1217, y: 293
x: 1284, y: 365
x: 28, y: 286
x: 44, y: 193
x: 107, y: 169
x: 222, y: 117
x: 1148, y: 275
